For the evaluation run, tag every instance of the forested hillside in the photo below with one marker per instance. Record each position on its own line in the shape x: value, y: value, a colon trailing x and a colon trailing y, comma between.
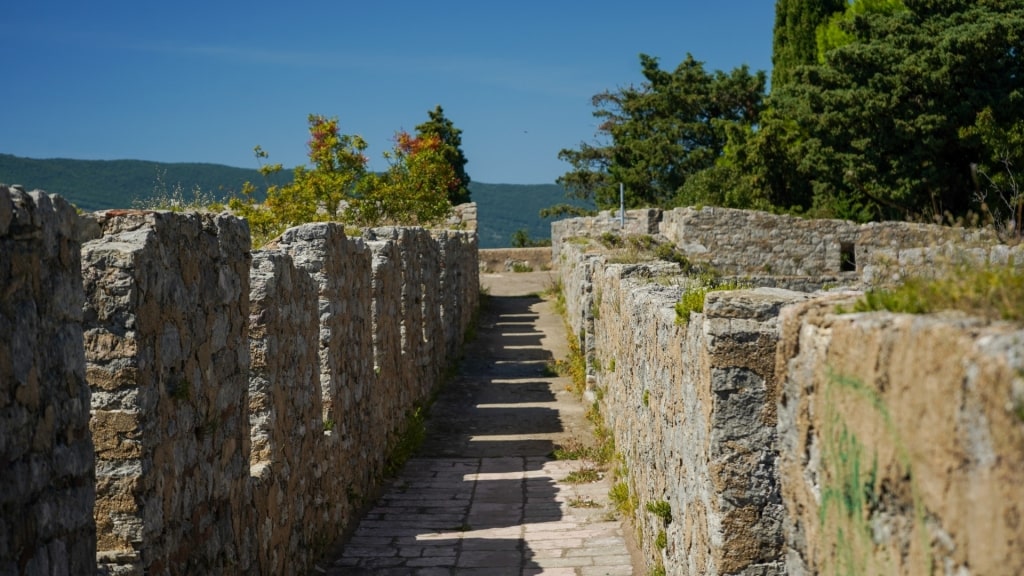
x: 99, y: 184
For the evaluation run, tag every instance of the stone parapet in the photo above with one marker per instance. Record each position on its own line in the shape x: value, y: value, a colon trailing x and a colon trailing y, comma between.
x: 691, y: 407
x: 770, y: 434
x: 47, y: 466
x: 172, y: 403
x: 285, y: 414
x: 166, y: 340
x: 244, y: 406
x: 901, y: 442
x: 750, y: 243
x: 642, y: 221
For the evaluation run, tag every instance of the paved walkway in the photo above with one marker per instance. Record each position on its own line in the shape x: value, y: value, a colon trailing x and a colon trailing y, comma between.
x: 483, y: 495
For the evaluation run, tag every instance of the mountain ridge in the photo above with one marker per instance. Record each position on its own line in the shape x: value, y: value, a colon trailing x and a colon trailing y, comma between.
x: 502, y: 209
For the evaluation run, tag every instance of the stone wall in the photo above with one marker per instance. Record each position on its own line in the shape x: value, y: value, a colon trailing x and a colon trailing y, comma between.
x: 285, y: 412
x: 167, y: 358
x: 508, y: 259
x: 785, y: 438
x: 691, y: 408
x: 46, y: 456
x: 901, y: 442
x: 240, y: 427
x: 750, y: 243
x: 243, y: 404
x: 645, y: 221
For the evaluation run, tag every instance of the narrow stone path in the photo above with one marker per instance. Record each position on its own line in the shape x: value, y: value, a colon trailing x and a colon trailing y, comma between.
x: 484, y: 496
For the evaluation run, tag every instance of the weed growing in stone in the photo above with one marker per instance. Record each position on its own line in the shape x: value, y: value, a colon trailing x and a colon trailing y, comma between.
x: 573, y: 450
x: 610, y: 240
x: 995, y: 292
x: 661, y: 540
x: 582, y: 502
x: 180, y: 390
x: 175, y: 199
x: 520, y: 267
x: 661, y: 509
x: 622, y: 499
x: 409, y: 442
x: 692, y: 299
x: 584, y: 475
x: 575, y: 366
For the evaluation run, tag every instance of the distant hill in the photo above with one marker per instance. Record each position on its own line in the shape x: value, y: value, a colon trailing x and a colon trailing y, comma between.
x: 504, y: 208
x: 101, y: 184
x: 91, y: 185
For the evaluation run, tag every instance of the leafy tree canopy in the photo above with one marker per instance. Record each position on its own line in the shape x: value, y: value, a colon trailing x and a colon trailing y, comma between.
x: 794, y: 40
x: 832, y: 34
x: 440, y: 126
x: 414, y: 190
x: 652, y: 138
x: 877, y: 130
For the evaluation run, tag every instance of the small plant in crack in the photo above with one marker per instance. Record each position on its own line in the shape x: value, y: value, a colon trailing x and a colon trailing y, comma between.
x: 583, y: 502
x: 584, y: 475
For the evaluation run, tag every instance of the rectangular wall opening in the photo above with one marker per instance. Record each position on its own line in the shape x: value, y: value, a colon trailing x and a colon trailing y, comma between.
x: 847, y: 257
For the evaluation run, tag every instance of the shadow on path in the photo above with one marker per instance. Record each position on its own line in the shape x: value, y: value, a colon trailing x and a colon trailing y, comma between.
x: 483, y: 495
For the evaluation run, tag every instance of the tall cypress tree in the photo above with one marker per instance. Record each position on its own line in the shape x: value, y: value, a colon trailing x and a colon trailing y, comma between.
x: 451, y: 136
x: 795, y: 42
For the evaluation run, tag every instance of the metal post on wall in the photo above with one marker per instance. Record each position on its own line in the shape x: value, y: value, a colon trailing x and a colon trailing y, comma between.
x: 622, y: 206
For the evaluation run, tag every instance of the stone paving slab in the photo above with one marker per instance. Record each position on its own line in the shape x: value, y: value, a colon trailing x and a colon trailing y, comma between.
x: 483, y: 496
x: 488, y: 532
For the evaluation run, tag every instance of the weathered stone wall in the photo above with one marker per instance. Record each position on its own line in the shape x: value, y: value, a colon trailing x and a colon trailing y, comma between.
x: 901, y: 442
x: 239, y: 425
x: 643, y: 221
x: 691, y: 407
x: 457, y: 251
x: 47, y: 465
x: 285, y: 413
x: 751, y: 243
x: 463, y: 217
x: 787, y: 439
x: 166, y: 340
x: 341, y: 268
x: 506, y: 259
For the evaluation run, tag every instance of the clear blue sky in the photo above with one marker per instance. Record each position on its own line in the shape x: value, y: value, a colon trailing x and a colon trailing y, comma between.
x: 190, y: 81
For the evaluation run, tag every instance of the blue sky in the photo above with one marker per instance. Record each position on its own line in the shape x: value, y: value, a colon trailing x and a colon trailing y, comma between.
x: 191, y: 81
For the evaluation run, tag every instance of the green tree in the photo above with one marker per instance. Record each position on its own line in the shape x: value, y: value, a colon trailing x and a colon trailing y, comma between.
x: 833, y: 33
x: 337, y: 187
x: 877, y: 129
x: 997, y: 189
x: 414, y: 190
x: 795, y: 35
x: 654, y: 137
x: 521, y: 239
x: 451, y: 137
x: 316, y: 193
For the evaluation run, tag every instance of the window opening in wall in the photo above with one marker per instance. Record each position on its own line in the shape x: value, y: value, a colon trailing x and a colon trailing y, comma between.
x: 847, y: 257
